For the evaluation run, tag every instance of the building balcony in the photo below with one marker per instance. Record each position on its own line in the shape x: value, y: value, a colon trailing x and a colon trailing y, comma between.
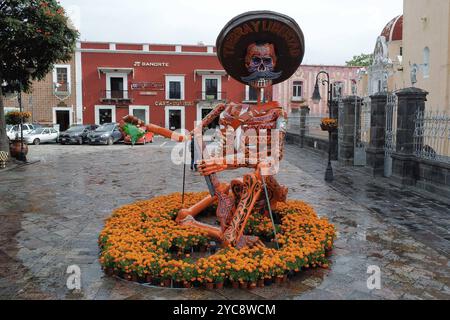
x: 295, y: 99
x: 61, y: 89
x: 211, y: 96
x: 116, y: 96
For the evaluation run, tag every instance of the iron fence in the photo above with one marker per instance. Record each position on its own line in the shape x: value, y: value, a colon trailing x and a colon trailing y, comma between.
x: 313, y: 128
x: 432, y: 136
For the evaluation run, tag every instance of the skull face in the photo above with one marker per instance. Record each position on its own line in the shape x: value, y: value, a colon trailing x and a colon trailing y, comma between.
x: 260, y: 62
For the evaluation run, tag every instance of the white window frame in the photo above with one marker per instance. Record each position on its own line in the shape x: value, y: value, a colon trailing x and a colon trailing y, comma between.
x: 63, y: 109
x: 69, y: 76
x: 219, y: 85
x: 145, y: 108
x: 342, y: 86
x: 102, y: 107
x: 199, y: 111
x: 110, y: 75
x: 247, y: 94
x: 183, y: 116
x: 300, y: 97
x: 174, y: 79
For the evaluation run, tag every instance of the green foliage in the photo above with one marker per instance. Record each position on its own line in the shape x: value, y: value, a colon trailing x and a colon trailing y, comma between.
x: 363, y: 60
x: 33, y: 33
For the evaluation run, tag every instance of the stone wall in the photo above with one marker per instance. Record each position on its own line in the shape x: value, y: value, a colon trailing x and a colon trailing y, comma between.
x: 433, y: 177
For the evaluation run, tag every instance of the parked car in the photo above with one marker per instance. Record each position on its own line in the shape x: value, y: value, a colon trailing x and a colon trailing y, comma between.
x: 13, y: 132
x: 76, y: 134
x: 147, y: 138
x: 41, y: 135
x: 107, y: 133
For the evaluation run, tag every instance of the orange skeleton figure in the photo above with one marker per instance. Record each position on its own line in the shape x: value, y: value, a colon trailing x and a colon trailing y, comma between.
x: 251, y: 124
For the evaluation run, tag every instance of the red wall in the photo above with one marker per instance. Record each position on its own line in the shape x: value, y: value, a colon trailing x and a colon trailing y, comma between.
x: 179, y: 64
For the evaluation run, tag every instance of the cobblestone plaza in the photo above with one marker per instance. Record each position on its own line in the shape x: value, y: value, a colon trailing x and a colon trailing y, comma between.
x: 52, y: 212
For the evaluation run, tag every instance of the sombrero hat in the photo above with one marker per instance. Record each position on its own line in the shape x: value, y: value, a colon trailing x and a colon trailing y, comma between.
x: 261, y: 27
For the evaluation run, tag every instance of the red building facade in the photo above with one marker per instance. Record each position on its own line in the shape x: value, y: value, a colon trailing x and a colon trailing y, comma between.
x: 168, y: 85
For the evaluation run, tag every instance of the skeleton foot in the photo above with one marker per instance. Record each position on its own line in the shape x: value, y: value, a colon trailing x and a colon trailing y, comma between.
x: 249, y: 241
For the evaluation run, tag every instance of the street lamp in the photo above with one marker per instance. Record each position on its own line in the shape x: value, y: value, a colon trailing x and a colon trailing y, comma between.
x: 22, y: 157
x: 329, y: 176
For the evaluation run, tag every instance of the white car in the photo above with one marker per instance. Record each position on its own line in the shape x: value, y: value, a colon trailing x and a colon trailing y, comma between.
x: 13, y: 132
x: 41, y: 135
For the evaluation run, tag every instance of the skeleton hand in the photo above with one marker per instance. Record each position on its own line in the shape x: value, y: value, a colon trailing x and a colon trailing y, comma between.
x: 211, y: 166
x: 268, y: 167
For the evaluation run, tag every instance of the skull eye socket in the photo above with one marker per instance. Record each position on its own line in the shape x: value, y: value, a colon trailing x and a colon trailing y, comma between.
x: 256, y: 60
x: 267, y: 61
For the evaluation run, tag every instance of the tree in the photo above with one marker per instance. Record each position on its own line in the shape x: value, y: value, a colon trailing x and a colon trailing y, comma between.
x: 363, y: 60
x: 34, y: 35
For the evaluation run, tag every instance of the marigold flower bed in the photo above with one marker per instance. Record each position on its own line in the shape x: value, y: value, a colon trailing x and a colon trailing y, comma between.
x: 142, y: 242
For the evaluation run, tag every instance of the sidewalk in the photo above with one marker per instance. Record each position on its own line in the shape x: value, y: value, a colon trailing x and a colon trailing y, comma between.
x: 421, y: 215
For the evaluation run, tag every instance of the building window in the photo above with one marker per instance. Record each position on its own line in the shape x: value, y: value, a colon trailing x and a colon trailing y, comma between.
x: 426, y: 62
x: 116, y: 86
x: 105, y: 114
x: 175, y: 87
x: 175, y: 118
x: 354, y: 87
x: 401, y: 51
x: 297, y: 91
x: 211, y: 89
x: 61, y: 79
x: 251, y: 94
x: 141, y: 112
x: 338, y: 89
x: 175, y: 90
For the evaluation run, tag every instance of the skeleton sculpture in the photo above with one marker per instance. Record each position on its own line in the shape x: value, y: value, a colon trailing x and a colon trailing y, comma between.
x: 258, y: 131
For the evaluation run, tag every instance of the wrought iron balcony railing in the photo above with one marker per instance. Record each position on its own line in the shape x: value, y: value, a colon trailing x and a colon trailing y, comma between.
x: 61, y: 89
x: 211, y: 96
x: 115, y: 96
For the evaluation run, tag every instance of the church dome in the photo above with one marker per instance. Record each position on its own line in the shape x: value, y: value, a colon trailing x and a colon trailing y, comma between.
x: 394, y: 29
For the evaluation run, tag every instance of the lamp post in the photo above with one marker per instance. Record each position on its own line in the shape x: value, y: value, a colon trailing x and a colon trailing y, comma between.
x: 329, y: 176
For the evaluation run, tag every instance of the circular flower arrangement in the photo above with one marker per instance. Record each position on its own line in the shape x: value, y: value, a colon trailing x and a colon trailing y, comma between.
x: 142, y: 242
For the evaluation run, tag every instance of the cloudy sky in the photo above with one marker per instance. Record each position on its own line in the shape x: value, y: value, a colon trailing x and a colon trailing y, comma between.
x: 335, y: 30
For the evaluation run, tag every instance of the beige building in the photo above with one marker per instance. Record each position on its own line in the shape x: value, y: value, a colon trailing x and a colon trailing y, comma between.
x: 413, y: 50
x: 426, y: 41
x: 53, y: 99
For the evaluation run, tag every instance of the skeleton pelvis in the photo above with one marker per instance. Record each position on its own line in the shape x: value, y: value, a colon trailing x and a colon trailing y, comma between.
x: 276, y: 192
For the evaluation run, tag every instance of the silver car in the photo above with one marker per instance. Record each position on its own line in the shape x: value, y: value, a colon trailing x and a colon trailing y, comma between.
x: 41, y: 135
x: 13, y: 132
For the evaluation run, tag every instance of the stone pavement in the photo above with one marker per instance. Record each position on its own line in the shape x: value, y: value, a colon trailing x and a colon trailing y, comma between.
x: 52, y: 212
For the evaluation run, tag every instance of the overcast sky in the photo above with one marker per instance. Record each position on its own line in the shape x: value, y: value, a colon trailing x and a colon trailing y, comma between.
x: 335, y: 30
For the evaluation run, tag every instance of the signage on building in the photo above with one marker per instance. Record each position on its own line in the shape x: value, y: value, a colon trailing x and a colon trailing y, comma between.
x: 174, y: 103
x: 159, y: 86
x: 148, y: 93
x: 150, y: 64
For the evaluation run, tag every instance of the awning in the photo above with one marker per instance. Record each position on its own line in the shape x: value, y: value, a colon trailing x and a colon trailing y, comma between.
x: 106, y: 70
x: 206, y: 72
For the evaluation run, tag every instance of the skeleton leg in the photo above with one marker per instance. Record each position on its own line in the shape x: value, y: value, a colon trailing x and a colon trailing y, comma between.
x: 196, y: 209
x: 213, y: 232
x: 250, y: 194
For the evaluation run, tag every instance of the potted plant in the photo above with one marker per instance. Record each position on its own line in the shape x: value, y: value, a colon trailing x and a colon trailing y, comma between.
x: 329, y: 124
x: 15, y: 118
x: 219, y: 280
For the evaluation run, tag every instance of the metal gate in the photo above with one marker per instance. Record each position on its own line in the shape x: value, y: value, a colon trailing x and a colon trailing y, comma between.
x: 391, y: 132
x: 362, y: 131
